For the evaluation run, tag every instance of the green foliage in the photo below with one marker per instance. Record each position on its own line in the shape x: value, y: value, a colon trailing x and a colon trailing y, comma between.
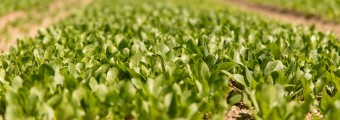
x: 149, y: 60
x: 7, y: 6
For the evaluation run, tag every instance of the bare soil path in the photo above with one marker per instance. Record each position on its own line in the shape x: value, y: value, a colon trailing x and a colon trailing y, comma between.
x: 288, y: 16
x: 57, y: 10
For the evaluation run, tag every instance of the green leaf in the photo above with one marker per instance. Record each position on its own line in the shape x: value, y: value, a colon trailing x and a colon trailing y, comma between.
x: 237, y: 58
x: 250, y: 79
x: 17, y: 83
x: 14, y: 112
x: 199, y: 86
x: 46, y: 71
x: 2, y: 75
x: 337, y: 73
x: 226, y: 66
x: 326, y: 101
x: 240, y: 79
x: 235, y: 99
x: 93, y: 84
x: 204, y: 71
x: 273, y: 66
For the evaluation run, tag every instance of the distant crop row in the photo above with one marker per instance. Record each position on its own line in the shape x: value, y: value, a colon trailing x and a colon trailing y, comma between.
x: 166, y: 59
x: 7, y: 6
x: 328, y: 10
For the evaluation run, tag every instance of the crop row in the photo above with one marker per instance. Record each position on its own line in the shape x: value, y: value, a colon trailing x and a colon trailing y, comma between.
x: 7, y: 6
x: 328, y: 10
x: 169, y: 59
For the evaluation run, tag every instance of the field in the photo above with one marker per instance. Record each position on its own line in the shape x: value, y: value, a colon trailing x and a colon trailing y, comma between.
x: 195, y: 59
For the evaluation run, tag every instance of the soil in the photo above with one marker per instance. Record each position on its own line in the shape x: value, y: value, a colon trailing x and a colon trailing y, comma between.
x: 238, y: 113
x: 314, y: 113
x: 56, y: 12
